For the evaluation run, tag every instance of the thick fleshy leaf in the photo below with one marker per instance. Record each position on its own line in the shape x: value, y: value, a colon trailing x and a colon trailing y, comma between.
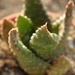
x: 35, y: 10
x: 44, y: 43
x: 57, y: 23
x: 32, y: 64
x: 24, y: 24
x: 7, y: 26
x: 25, y: 29
x: 60, y: 66
x: 65, y: 28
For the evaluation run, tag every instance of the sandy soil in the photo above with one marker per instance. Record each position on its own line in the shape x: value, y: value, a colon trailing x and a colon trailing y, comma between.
x: 9, y: 7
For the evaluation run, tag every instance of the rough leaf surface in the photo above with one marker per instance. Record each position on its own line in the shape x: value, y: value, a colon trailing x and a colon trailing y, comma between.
x: 44, y: 43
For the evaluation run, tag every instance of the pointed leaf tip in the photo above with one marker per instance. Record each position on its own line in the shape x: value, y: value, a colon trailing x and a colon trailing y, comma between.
x: 7, y: 26
x: 70, y: 3
x: 45, y: 27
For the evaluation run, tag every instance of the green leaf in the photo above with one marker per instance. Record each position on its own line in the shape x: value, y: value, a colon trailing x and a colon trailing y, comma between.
x: 60, y: 66
x: 56, y: 24
x: 44, y: 43
x: 34, y: 9
x: 25, y: 29
x: 64, y: 30
x: 24, y: 24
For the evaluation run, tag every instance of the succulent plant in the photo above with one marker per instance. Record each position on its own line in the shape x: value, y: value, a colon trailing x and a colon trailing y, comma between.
x: 37, y: 42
